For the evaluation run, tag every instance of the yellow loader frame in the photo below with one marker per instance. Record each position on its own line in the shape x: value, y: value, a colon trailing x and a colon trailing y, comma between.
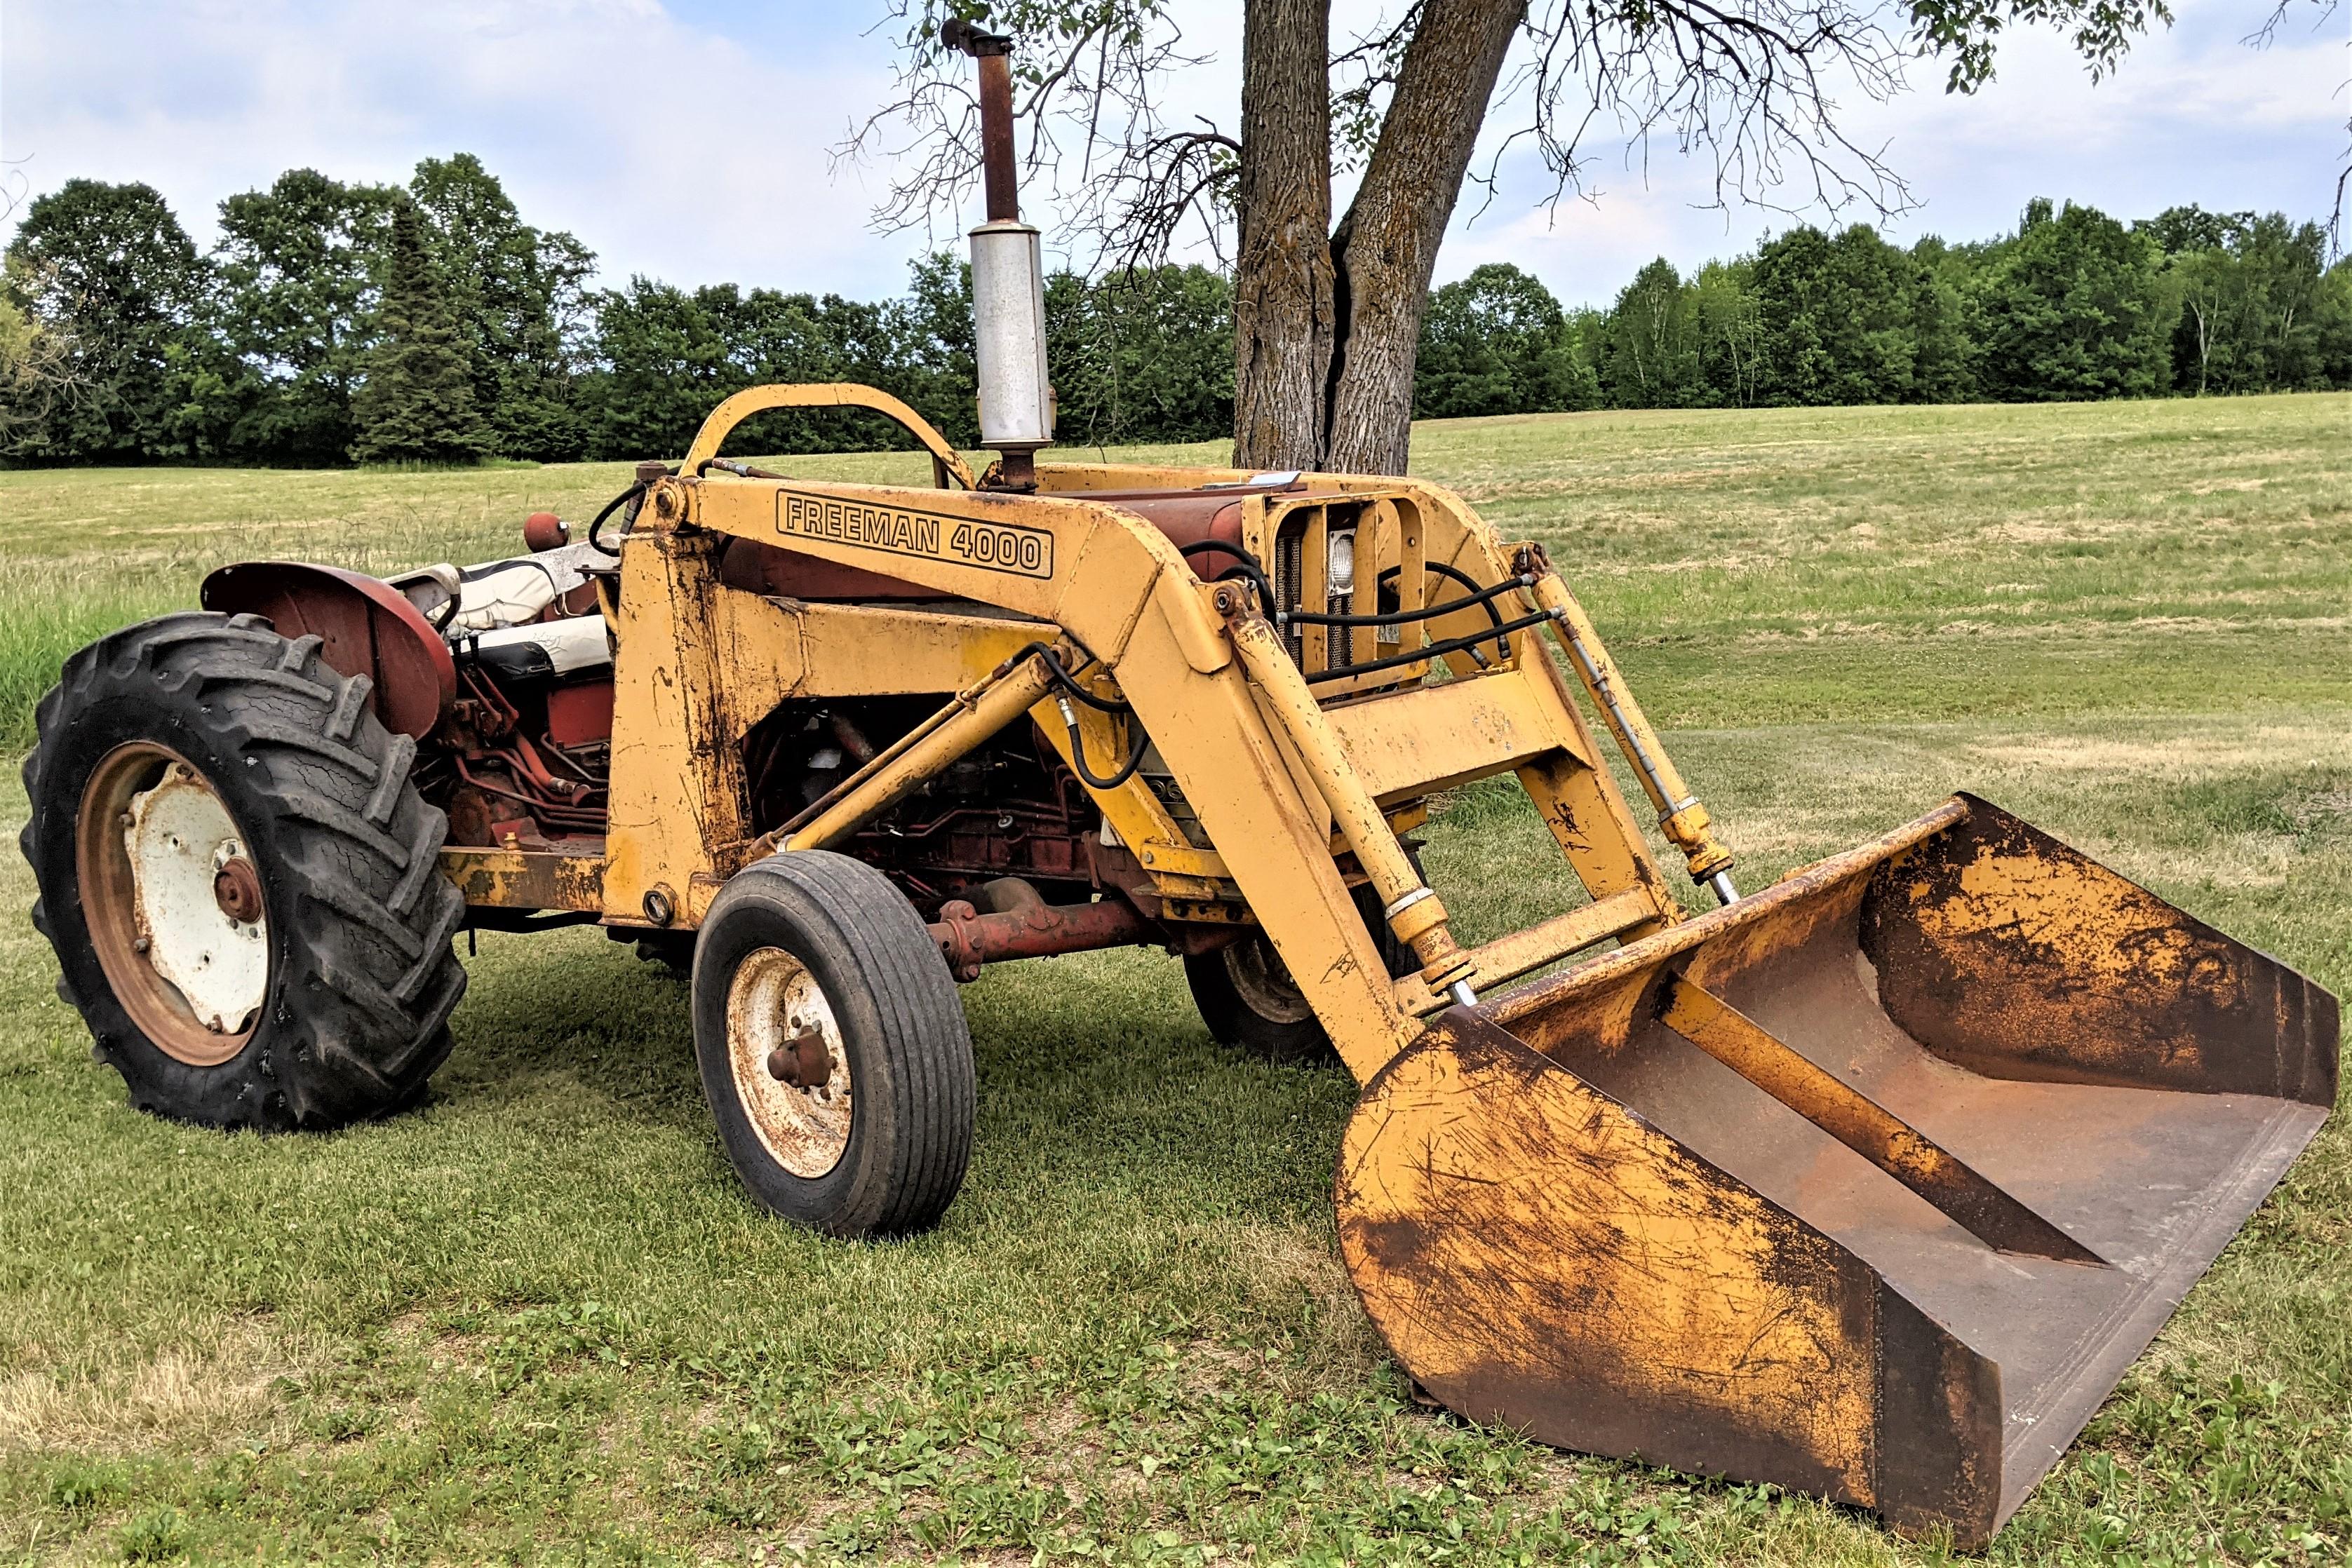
x: 1869, y: 1185
x: 1261, y: 761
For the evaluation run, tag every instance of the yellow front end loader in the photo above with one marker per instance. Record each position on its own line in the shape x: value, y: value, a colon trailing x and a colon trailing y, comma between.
x: 1869, y: 1183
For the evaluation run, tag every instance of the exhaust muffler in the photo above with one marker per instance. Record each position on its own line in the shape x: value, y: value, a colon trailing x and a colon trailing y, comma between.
x: 1008, y: 279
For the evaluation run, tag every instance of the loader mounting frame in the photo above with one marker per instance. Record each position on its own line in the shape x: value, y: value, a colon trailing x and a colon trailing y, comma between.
x: 1756, y: 1193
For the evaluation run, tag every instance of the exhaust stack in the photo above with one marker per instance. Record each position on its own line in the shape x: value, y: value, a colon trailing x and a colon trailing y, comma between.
x: 1008, y: 287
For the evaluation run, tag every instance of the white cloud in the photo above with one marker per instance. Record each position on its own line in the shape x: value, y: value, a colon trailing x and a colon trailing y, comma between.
x: 2193, y: 115
x: 669, y: 148
x: 690, y: 140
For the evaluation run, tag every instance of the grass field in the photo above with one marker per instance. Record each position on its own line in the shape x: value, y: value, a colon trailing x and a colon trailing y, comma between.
x: 539, y: 1322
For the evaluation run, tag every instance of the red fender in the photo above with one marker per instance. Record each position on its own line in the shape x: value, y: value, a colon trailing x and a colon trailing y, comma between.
x: 366, y: 627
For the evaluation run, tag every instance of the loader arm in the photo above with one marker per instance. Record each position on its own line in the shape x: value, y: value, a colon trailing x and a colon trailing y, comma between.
x: 1258, y: 757
x: 1871, y: 1184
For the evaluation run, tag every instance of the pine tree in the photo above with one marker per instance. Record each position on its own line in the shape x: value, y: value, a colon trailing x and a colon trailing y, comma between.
x: 416, y: 404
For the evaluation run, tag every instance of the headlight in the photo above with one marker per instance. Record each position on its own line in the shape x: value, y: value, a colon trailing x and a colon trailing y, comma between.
x: 1340, y: 567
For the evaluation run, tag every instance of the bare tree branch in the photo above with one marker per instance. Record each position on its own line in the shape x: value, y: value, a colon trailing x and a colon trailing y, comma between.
x: 1088, y: 78
x: 2263, y: 38
x: 1751, y: 85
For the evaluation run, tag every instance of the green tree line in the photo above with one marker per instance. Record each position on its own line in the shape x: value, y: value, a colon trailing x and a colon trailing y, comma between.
x: 2074, y: 305
x: 335, y: 323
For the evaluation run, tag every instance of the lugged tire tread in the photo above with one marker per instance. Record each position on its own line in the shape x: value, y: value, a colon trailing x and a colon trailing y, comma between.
x: 354, y: 850
x: 350, y: 701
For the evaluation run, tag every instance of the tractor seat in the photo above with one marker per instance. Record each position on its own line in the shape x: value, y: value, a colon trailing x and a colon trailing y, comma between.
x: 463, y: 601
x: 540, y: 650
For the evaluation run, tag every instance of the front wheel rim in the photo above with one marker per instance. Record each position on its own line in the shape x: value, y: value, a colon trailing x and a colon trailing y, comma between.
x: 774, y: 1004
x: 174, y: 903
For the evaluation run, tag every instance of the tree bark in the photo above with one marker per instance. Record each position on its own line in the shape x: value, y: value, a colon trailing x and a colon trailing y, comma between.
x: 1282, y: 319
x: 1387, y: 245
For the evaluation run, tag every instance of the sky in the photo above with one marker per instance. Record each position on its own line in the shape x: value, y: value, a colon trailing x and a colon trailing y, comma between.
x: 693, y: 141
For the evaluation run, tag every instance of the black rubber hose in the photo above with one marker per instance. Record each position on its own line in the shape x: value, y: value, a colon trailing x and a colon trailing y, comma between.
x: 1485, y: 596
x: 1249, y: 566
x: 615, y: 504
x: 1069, y: 685
x: 1434, y: 650
x: 1068, y: 682
x: 1467, y: 581
x: 1135, y: 749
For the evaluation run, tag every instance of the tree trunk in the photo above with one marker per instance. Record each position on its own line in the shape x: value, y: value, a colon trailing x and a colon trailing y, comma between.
x: 1283, y: 319
x: 1387, y: 245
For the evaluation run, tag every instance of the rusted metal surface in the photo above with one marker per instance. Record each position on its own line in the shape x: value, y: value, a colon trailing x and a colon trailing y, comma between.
x: 802, y: 1062
x: 2002, y: 950
x: 1565, y: 1214
x: 527, y: 878
x: 999, y: 180
x: 1869, y: 1129
x: 1869, y: 1185
x: 967, y: 938
x: 153, y: 842
x: 365, y: 626
x: 803, y: 1116
x: 237, y: 890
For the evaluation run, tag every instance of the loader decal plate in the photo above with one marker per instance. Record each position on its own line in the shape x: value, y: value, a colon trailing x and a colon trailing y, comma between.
x: 991, y: 547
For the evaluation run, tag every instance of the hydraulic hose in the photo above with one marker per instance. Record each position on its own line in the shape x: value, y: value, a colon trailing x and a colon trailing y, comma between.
x: 615, y: 504
x: 1435, y: 649
x: 1066, y: 688
x: 1250, y: 568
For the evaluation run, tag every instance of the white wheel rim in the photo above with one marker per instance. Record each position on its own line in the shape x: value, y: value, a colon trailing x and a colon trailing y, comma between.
x: 178, y: 841
x: 772, y: 1000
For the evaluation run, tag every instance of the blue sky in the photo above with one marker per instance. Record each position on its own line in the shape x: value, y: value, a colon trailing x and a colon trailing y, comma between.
x: 690, y: 140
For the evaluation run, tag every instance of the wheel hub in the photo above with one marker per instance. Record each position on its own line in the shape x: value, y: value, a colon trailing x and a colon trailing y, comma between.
x: 236, y: 889
x: 791, y: 1074
x: 197, y: 900
x: 174, y: 903
x: 1264, y: 981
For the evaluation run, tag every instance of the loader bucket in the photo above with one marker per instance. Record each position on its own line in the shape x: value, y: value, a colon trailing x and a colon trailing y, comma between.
x: 1871, y: 1185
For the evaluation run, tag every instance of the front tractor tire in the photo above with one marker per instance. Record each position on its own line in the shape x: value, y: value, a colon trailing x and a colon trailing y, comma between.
x: 832, y: 1047
x: 241, y: 884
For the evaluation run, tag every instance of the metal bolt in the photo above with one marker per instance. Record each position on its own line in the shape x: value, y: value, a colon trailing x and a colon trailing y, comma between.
x: 1224, y: 601
x: 139, y: 945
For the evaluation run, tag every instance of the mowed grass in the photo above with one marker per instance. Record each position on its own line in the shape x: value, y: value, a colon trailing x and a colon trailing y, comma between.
x: 539, y: 1322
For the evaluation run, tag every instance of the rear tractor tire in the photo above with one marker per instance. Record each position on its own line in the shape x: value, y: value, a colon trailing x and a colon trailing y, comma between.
x: 832, y: 1047
x: 1250, y: 1002
x: 241, y: 884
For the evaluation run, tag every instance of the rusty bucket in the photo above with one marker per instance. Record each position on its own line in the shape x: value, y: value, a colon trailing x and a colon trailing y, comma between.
x: 1871, y: 1185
